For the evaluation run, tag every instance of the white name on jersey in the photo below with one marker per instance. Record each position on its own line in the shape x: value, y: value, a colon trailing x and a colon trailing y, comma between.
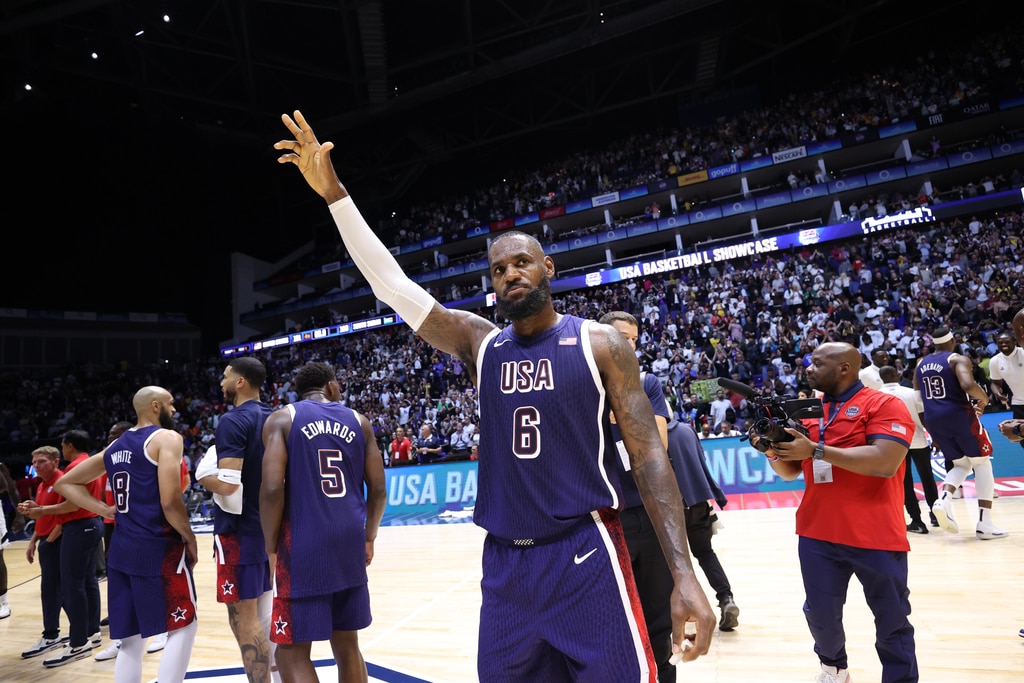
x: 314, y: 429
x: 121, y: 457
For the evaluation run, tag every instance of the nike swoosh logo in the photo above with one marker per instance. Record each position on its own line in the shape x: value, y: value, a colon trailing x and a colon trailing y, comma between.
x: 580, y: 559
x: 499, y: 343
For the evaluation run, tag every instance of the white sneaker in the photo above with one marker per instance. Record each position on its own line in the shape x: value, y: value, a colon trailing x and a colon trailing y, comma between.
x: 830, y: 674
x: 68, y: 654
x: 943, y: 509
x: 5, y: 610
x: 44, y: 645
x: 986, y: 531
x: 95, y: 639
x: 158, y: 643
x: 109, y: 653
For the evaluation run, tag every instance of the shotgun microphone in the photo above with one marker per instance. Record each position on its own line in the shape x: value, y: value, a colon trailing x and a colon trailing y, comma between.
x: 744, y: 390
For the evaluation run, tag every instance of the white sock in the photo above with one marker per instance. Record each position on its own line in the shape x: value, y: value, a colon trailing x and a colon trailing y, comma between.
x: 174, y: 658
x: 128, y: 665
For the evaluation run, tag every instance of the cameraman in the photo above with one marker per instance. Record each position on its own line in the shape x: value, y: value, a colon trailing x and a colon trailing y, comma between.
x: 850, y: 520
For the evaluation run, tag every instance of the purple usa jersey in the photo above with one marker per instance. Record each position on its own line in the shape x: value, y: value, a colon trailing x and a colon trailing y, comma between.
x: 144, y: 543
x: 322, y: 542
x: 543, y: 432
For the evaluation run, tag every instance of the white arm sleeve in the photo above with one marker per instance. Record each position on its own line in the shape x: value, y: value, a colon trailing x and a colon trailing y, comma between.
x: 231, y: 503
x: 208, y: 467
x: 379, y: 267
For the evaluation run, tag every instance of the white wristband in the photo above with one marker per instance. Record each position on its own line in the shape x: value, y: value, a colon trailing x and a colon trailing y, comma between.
x: 379, y: 267
x: 230, y: 476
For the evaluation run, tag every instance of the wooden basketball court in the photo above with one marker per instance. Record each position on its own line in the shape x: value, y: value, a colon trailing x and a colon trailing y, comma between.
x: 967, y: 596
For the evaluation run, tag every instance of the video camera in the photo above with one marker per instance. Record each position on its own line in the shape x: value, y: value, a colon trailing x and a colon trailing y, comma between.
x: 774, y: 413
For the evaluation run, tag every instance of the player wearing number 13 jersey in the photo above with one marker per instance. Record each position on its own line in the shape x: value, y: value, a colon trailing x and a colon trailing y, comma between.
x: 947, y: 385
x: 318, y: 455
x: 948, y: 413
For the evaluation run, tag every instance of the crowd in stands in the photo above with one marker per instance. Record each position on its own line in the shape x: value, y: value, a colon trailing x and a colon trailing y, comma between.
x: 754, y: 320
x: 932, y: 83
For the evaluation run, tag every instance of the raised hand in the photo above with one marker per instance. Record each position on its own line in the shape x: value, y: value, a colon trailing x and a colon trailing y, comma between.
x: 312, y: 158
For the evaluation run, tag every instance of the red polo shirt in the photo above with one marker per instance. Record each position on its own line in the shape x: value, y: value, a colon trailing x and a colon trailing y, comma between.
x: 45, y: 495
x: 854, y: 509
x: 95, y: 489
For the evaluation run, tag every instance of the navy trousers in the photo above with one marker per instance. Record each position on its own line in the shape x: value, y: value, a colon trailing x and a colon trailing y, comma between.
x: 826, y: 569
x: 48, y: 557
x: 80, y: 588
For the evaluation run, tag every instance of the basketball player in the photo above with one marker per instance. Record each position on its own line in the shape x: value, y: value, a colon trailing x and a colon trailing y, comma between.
x: 149, y: 567
x: 946, y: 382
x: 555, y: 561
x: 316, y: 521
x: 234, y: 474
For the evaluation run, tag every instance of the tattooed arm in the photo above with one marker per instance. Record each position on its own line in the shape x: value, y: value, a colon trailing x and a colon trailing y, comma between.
x: 656, y: 481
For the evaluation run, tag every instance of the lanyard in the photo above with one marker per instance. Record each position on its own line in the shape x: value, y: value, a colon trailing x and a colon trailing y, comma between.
x: 822, y: 425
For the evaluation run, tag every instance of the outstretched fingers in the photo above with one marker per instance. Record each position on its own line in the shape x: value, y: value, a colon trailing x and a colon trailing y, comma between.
x: 305, y: 131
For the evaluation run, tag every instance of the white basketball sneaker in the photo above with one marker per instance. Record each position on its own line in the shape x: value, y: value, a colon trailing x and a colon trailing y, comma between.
x: 943, y: 509
x: 986, y: 531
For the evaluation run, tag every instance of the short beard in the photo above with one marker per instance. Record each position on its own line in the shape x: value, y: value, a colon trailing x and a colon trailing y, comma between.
x: 167, y: 421
x: 531, y: 304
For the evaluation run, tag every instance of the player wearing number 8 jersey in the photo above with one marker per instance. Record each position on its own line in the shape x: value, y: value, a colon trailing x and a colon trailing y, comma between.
x: 149, y: 567
x: 947, y: 386
x: 318, y: 454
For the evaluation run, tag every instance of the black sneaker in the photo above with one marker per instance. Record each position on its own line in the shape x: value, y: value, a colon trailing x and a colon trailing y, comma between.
x: 917, y: 528
x: 68, y: 654
x: 44, y: 645
x: 931, y: 518
x: 730, y: 615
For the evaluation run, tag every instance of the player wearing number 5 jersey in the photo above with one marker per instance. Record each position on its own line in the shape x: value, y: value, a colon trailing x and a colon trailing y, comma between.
x: 149, y: 567
x: 947, y: 386
x: 559, y: 599
x: 320, y: 524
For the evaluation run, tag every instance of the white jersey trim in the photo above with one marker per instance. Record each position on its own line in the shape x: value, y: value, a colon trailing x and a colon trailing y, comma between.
x: 484, y: 345
x: 595, y: 375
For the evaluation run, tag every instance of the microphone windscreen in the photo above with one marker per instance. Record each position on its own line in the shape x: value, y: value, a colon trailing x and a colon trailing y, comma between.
x: 744, y: 390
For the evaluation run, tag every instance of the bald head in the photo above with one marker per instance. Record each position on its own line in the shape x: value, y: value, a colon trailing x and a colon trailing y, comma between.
x: 835, y: 367
x: 145, y: 397
x: 154, y: 406
x: 842, y: 352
